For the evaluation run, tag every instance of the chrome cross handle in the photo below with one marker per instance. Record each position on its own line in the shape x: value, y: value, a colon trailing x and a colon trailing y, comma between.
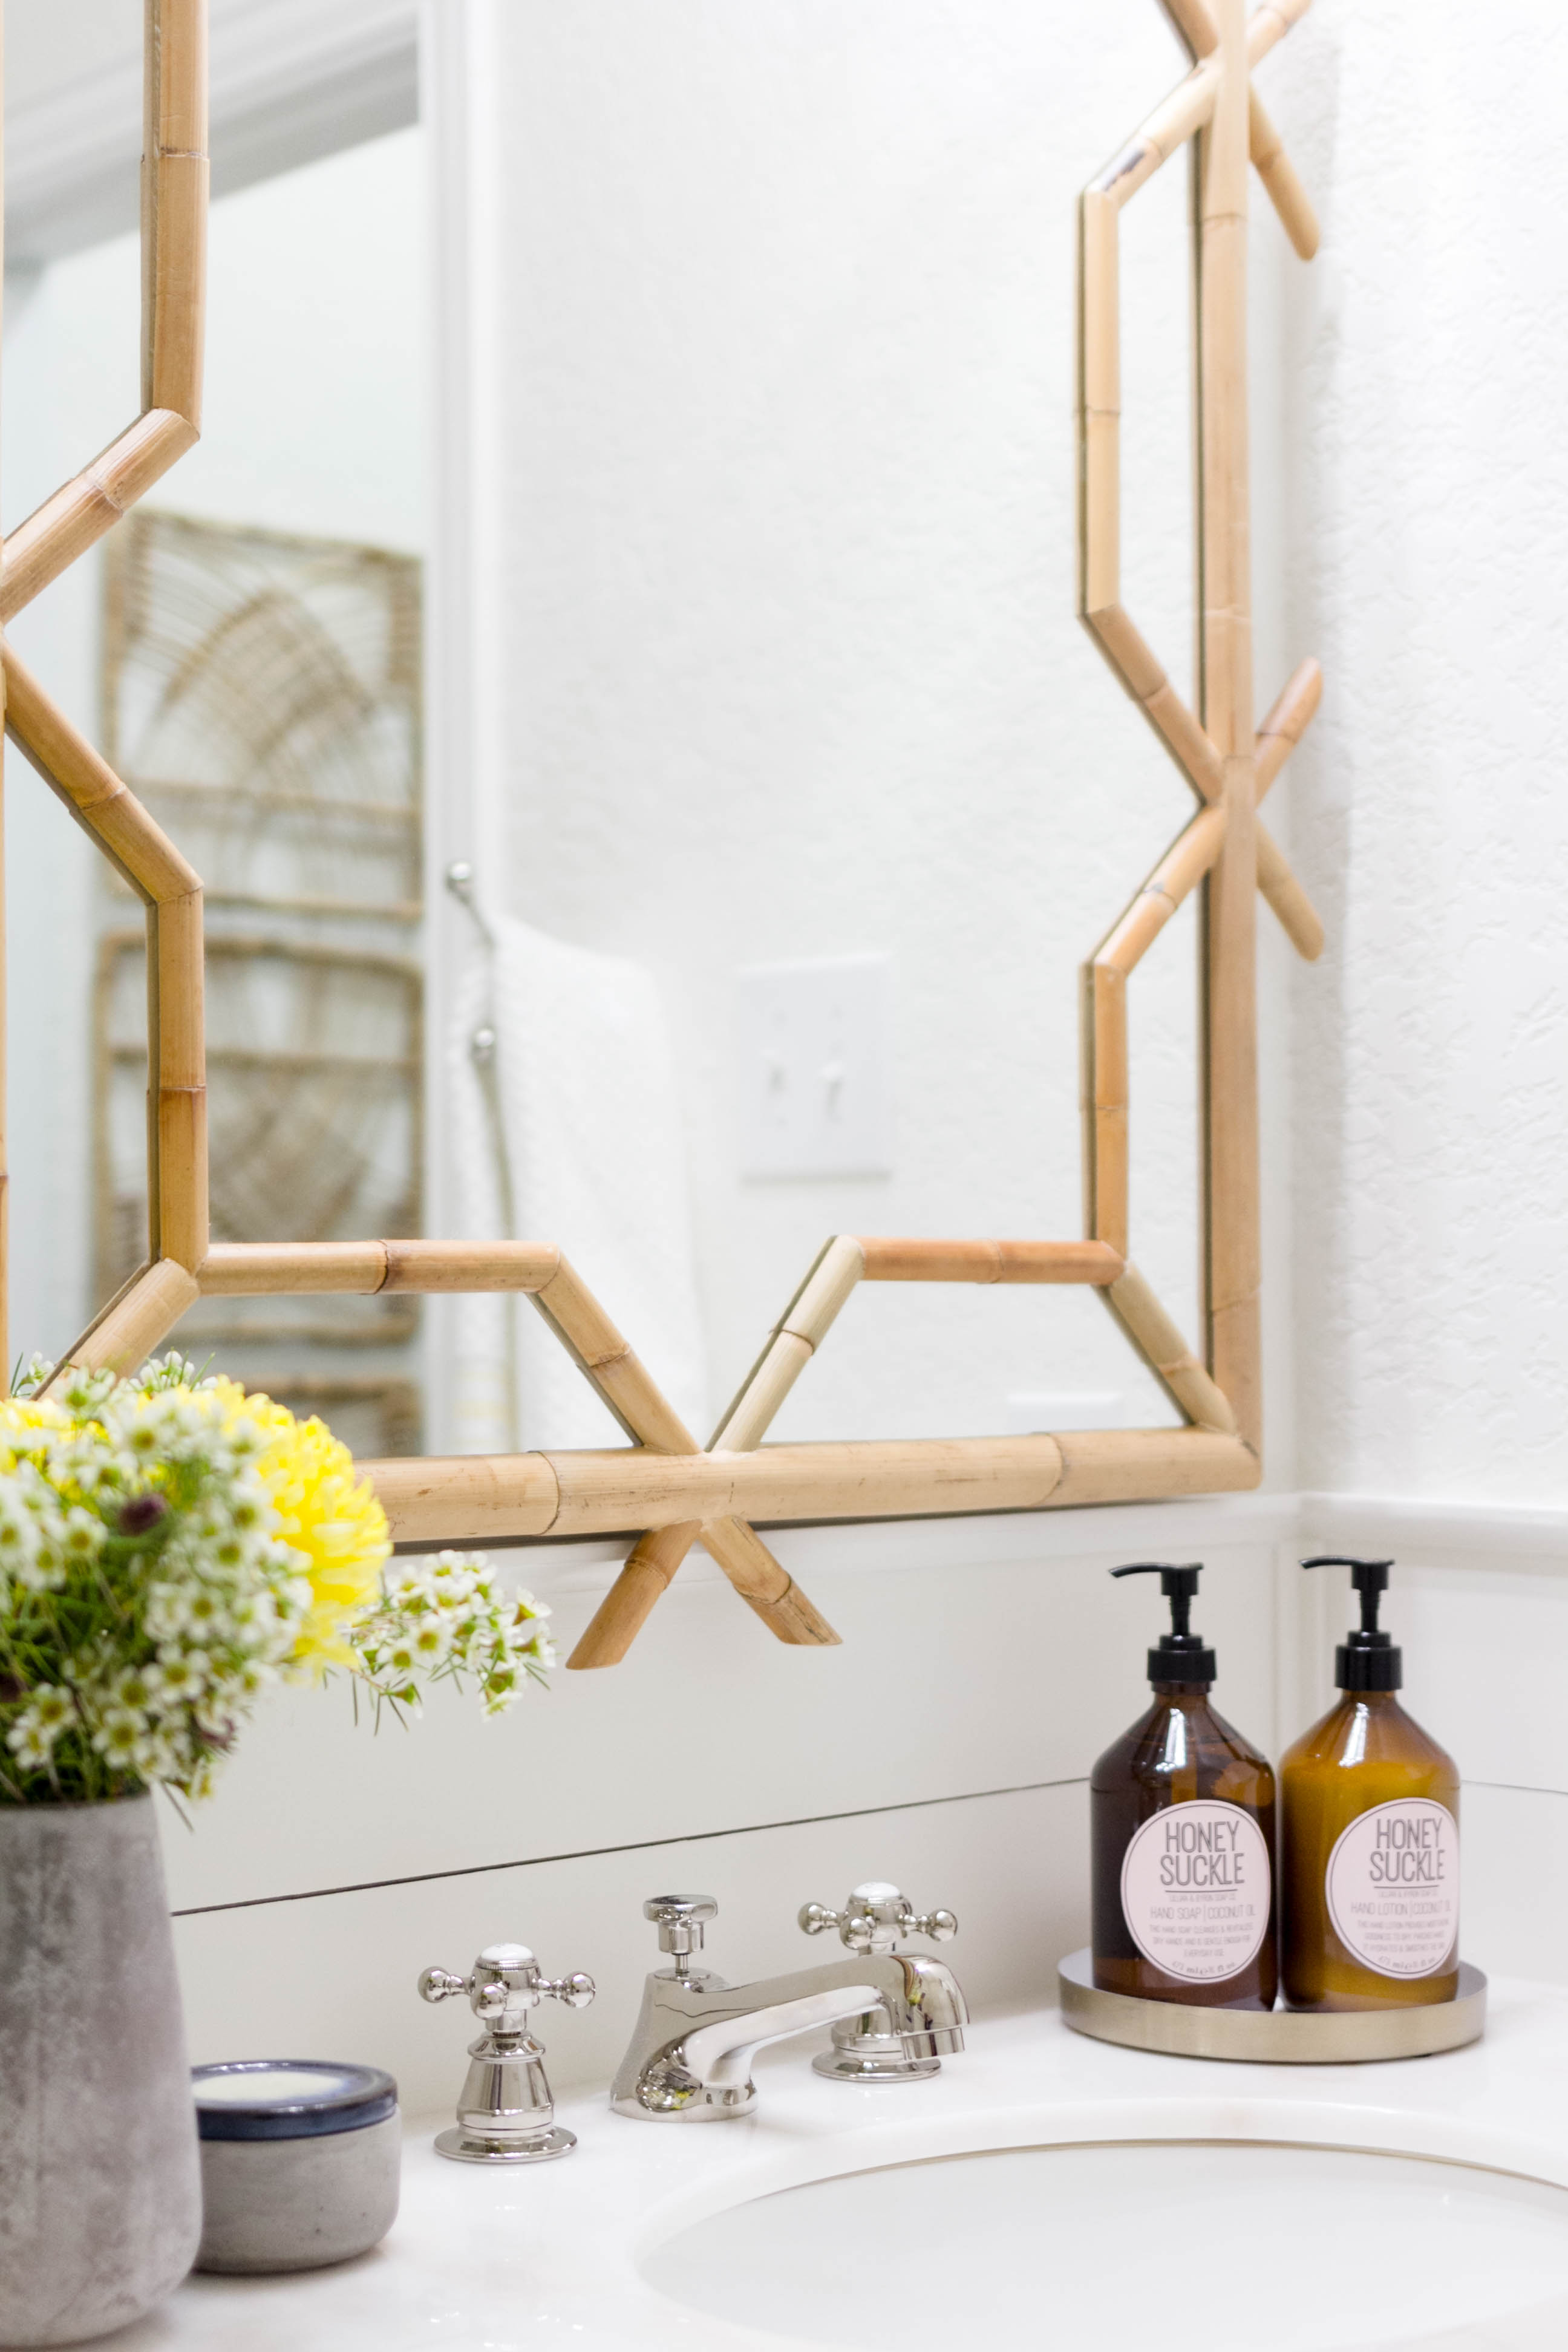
x: 876, y: 1918
x: 505, y: 1984
x: 505, y: 2113
x: 873, y: 1923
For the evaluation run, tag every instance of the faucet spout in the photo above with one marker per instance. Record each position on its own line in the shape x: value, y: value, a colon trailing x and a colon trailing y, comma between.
x: 692, y: 2055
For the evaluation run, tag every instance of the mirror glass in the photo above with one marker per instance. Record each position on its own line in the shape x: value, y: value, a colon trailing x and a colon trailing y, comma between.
x: 803, y: 794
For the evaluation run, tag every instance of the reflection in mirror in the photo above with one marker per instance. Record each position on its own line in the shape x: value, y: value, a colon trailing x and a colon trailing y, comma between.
x: 794, y: 684
x: 246, y: 647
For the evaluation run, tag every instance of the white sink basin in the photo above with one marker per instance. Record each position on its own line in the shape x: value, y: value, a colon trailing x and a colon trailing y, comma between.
x: 1189, y: 2247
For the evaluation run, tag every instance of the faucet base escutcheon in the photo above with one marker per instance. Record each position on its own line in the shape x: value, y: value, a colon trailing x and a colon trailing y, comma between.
x: 464, y: 2147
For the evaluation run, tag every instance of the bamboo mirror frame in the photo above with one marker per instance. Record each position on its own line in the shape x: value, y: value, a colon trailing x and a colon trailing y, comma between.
x: 665, y: 1488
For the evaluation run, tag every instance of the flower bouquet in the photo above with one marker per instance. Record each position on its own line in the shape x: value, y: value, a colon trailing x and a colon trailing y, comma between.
x: 169, y: 1548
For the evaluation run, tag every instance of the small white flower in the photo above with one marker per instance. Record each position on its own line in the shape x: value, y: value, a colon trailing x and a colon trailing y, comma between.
x: 184, y: 1673
x: 81, y: 1534
x: 119, y: 1736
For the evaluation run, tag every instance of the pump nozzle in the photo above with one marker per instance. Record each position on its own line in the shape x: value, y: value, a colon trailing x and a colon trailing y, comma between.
x: 1181, y: 1656
x: 1368, y: 1660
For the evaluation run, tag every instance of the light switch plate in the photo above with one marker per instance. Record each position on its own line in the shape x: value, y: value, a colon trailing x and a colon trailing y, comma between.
x: 814, y: 1051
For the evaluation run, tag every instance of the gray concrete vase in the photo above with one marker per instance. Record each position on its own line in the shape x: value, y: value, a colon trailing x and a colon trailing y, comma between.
x: 100, y: 2180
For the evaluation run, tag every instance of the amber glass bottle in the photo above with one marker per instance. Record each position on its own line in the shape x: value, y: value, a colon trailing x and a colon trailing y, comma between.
x: 1182, y: 1816
x: 1369, y: 1845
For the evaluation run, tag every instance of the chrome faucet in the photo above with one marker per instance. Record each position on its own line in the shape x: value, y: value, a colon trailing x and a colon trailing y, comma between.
x: 691, y: 2057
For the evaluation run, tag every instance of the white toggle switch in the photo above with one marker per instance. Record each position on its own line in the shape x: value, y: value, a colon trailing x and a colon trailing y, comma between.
x: 815, y: 1041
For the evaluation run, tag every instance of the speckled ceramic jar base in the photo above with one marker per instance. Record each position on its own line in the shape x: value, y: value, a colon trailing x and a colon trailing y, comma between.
x: 299, y: 2204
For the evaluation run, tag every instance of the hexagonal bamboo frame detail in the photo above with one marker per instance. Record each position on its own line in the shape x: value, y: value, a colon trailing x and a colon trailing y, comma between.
x: 664, y: 1483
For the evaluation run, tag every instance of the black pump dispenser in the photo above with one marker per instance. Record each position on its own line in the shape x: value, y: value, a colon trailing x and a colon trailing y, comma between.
x: 1182, y: 1655
x: 1367, y: 1659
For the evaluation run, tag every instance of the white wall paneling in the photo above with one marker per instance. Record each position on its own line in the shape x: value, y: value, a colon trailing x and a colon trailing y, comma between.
x: 946, y: 1745
x: 337, y: 1977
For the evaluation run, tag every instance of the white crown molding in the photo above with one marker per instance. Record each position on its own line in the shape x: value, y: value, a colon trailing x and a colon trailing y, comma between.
x: 292, y: 80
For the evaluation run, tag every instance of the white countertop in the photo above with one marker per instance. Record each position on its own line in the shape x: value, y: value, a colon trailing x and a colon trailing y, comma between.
x: 548, y: 2255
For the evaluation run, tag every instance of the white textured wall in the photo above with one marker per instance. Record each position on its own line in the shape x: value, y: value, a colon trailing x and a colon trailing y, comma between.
x: 1431, y: 501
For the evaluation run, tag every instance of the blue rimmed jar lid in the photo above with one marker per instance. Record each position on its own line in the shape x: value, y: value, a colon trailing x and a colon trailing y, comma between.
x: 289, y: 2098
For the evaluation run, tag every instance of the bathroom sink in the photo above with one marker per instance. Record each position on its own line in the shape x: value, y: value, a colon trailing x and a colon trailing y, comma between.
x: 1194, y: 2247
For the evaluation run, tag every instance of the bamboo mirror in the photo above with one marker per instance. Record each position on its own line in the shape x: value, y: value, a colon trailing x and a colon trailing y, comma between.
x: 664, y: 1489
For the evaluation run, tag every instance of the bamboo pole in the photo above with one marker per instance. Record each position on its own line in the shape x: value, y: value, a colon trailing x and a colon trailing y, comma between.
x: 1161, y: 706
x: 437, y: 1267
x: 292, y: 1269
x: 1106, y: 1066
x: 1278, y: 174
x: 1270, y: 23
x: 1193, y: 26
x: 986, y: 1262
x: 1136, y: 1465
x: 598, y: 1349
x: 1156, y: 141
x: 300, y: 1269
x: 150, y: 962
x: 1100, y: 411
x: 786, y: 1482
x: 644, y: 1579
x: 756, y: 1576
x: 1167, y: 1354
x: 125, y: 1335
x: 1287, y: 720
x: 1232, y: 1244
x: 177, y: 1057
x: 88, y: 786
x: 77, y: 517
x: 174, y: 174
x: 656, y: 1557
x: 1181, y: 869
x: 794, y: 1337
x: 1301, y: 922
x: 488, y: 1498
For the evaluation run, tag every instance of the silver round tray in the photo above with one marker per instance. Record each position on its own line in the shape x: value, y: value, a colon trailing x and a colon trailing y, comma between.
x: 1279, y: 2037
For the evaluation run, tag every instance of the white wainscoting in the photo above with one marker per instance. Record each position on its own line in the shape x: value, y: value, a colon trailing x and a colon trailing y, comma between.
x: 985, y: 1665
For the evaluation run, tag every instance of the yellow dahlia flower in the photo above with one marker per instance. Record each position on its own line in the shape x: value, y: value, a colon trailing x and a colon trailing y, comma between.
x: 325, y: 1512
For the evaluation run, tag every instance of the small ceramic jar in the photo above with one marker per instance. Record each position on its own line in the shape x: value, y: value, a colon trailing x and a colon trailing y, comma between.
x: 300, y: 2162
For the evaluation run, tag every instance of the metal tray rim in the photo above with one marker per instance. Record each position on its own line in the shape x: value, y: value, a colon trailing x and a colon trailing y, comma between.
x: 1280, y: 2037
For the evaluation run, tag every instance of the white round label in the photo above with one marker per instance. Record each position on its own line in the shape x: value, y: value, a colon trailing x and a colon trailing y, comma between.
x: 1392, y: 1886
x: 1197, y: 1890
